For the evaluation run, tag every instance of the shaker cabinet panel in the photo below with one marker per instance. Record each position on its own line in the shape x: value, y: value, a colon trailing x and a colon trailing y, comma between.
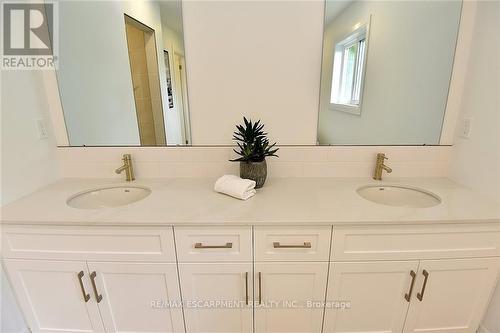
x: 451, y: 295
x: 89, y: 243
x: 415, y: 242
x: 210, y: 244
x: 137, y: 297
x: 292, y: 243
x: 217, y: 297
x: 51, y: 296
x: 369, y: 296
x: 289, y: 296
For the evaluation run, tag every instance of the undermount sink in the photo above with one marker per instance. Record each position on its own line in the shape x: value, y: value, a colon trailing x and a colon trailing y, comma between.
x: 108, y: 197
x: 399, y: 195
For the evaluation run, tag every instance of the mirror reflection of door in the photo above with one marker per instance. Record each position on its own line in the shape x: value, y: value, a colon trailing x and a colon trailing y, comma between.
x: 177, y: 96
x: 146, y: 82
x: 181, y: 90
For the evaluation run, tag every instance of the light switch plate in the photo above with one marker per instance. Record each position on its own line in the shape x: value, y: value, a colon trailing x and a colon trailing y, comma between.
x: 42, y: 129
x: 466, y: 127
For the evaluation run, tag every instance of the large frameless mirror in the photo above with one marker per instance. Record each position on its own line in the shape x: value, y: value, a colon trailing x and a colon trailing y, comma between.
x: 385, y: 77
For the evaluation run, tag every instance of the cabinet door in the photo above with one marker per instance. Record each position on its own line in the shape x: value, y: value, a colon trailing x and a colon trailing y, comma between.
x: 289, y: 296
x: 137, y: 297
x: 51, y: 297
x: 369, y: 296
x: 215, y: 297
x: 455, y: 297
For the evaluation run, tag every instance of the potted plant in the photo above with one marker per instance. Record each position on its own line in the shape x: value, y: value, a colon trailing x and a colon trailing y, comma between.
x: 253, y: 149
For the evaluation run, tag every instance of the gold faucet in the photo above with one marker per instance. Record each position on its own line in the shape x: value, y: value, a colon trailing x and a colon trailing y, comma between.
x: 380, y: 166
x: 127, y: 166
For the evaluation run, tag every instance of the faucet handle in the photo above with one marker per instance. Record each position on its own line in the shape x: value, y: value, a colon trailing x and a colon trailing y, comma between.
x: 382, y: 156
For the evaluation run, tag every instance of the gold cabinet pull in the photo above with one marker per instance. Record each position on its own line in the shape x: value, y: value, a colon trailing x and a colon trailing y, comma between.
x: 420, y: 295
x: 306, y: 245
x: 96, y: 294
x: 246, y: 288
x: 201, y: 246
x: 260, y: 288
x: 408, y: 295
x: 86, y: 296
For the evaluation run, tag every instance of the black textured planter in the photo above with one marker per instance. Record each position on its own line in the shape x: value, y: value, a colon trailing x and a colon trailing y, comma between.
x: 254, y: 171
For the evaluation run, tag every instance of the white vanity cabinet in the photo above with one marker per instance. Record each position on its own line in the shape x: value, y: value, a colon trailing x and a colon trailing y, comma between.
x: 448, y: 290
x: 289, y: 296
x: 51, y: 297
x: 218, y: 297
x: 270, y: 289
x: 263, y: 279
x: 87, y: 279
x: 137, y: 297
x: 454, y: 297
x: 216, y: 278
x: 374, y: 291
x: 291, y: 270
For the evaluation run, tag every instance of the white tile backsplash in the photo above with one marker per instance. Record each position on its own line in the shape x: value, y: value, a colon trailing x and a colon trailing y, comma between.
x: 294, y: 161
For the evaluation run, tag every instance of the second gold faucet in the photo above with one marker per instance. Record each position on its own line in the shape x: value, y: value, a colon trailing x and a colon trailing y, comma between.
x: 127, y: 166
x: 380, y: 166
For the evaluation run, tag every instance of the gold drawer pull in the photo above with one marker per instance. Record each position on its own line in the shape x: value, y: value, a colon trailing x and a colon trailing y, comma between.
x: 96, y: 294
x: 260, y: 288
x: 86, y: 296
x: 246, y: 288
x: 408, y: 296
x: 306, y: 245
x: 201, y: 246
x: 420, y: 295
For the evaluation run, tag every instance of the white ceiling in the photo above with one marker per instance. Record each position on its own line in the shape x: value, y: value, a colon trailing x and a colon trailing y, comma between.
x: 334, y: 8
x: 171, y: 14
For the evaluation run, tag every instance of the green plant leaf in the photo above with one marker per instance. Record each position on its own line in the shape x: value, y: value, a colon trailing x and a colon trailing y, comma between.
x: 253, y: 144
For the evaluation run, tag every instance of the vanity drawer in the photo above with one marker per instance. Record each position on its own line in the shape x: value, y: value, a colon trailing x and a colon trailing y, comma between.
x: 292, y: 243
x: 415, y: 242
x: 89, y: 243
x: 201, y: 244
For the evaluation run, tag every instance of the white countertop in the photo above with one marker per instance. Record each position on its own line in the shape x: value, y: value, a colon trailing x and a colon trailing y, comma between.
x: 298, y: 201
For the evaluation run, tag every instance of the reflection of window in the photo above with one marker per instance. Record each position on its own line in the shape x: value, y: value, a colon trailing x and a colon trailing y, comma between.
x: 348, y: 72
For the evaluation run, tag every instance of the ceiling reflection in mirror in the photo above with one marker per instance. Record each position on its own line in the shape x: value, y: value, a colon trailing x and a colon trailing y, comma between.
x: 121, y: 75
x: 386, y: 71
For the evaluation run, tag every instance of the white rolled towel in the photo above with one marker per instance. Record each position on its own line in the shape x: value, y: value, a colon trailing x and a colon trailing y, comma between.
x: 235, y: 186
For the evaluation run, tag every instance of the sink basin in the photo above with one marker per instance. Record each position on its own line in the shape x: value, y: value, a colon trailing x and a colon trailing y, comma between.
x: 399, y: 195
x: 107, y: 197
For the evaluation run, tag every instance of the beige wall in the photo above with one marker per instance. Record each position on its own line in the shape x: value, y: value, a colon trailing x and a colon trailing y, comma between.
x: 260, y: 59
x: 27, y: 162
x: 476, y: 161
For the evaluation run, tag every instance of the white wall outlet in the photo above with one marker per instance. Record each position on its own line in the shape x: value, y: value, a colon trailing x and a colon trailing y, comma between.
x: 466, y: 127
x: 42, y: 129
